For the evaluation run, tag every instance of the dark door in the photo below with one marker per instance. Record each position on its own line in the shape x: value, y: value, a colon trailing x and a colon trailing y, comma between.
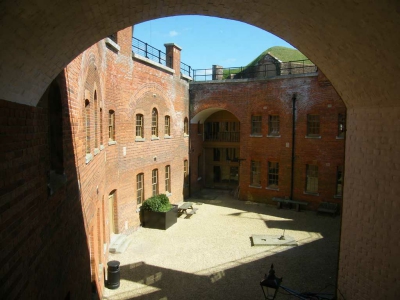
x: 217, y: 173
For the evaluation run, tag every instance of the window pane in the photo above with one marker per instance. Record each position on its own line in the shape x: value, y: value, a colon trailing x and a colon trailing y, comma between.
x: 273, y: 125
x: 154, y: 179
x: 312, y: 179
x: 256, y: 124
x: 273, y: 174
x: 255, y: 173
x: 139, y: 126
x: 167, y: 126
x: 313, y: 125
x: 139, y: 188
x: 167, y: 179
x: 154, y: 122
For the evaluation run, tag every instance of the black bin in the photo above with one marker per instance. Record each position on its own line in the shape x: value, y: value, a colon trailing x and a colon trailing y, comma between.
x: 113, y: 274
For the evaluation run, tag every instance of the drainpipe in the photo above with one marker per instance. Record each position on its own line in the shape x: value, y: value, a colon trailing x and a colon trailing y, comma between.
x: 293, y: 144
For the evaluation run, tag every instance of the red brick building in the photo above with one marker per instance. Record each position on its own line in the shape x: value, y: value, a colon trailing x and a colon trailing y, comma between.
x: 280, y: 136
x: 113, y: 129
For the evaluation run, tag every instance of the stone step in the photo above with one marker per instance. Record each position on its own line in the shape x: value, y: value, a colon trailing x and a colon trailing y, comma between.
x: 119, y: 243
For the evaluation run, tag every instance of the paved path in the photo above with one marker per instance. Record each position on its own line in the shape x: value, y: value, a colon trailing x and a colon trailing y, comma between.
x: 210, y: 256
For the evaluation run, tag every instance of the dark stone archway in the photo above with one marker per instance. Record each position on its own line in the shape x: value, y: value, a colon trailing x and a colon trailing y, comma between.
x: 354, y: 43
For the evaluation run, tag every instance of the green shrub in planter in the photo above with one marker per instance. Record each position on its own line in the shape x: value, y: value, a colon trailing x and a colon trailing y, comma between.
x: 158, y: 213
x: 159, y: 203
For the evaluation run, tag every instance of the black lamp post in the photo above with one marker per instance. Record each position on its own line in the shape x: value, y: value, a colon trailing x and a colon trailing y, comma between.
x: 270, y: 284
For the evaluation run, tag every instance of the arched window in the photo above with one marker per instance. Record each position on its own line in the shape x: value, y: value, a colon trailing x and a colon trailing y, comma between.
x: 139, y: 188
x: 111, y: 126
x: 185, y: 172
x: 87, y: 125
x: 112, y: 213
x: 154, y: 123
x: 167, y: 130
x: 139, y: 126
x: 56, y: 129
x: 186, y: 126
x: 96, y: 121
x: 101, y: 126
x: 168, y: 179
x: 154, y: 181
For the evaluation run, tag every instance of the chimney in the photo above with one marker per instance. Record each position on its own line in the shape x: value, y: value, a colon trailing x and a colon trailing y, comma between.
x: 173, y: 52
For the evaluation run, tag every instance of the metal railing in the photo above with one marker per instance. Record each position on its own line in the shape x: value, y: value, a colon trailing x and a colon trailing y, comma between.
x: 258, y: 71
x: 186, y: 69
x: 145, y: 50
x: 222, y: 136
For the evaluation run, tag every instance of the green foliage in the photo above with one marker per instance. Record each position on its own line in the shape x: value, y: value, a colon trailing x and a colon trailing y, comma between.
x: 159, y: 203
x: 284, y: 54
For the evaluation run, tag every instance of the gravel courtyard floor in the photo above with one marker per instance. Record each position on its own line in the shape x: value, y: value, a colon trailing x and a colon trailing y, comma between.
x: 210, y: 255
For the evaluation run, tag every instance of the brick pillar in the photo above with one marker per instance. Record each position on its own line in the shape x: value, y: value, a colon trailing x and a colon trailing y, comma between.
x: 173, y: 52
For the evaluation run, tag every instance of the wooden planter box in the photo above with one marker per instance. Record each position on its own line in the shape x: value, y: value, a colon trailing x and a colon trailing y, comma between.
x: 160, y: 220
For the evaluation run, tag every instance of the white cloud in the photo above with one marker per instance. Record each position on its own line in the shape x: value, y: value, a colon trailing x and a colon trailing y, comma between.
x: 173, y: 33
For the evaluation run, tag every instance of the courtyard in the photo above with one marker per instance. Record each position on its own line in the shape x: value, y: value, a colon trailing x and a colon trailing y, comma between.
x: 210, y: 255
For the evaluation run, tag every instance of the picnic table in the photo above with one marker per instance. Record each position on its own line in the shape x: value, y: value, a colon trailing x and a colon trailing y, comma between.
x: 185, y: 207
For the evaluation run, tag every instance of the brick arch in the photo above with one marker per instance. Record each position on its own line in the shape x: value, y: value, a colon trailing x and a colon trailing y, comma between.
x: 203, y: 115
x: 353, y: 43
x: 325, y: 32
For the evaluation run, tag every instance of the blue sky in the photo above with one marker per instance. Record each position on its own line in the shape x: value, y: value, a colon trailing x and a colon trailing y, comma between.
x: 208, y: 41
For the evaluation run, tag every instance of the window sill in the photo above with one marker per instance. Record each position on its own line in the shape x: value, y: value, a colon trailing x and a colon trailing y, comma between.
x: 256, y: 135
x: 88, y: 157
x: 337, y: 197
x: 155, y: 138
x: 101, y: 147
x: 112, y: 143
x: 272, y: 189
x: 273, y: 136
x: 113, y: 45
x: 185, y: 135
x: 96, y: 151
x: 140, y: 139
x: 255, y: 186
x: 340, y: 137
x: 312, y: 194
x: 313, y: 137
x: 168, y: 194
x: 167, y: 137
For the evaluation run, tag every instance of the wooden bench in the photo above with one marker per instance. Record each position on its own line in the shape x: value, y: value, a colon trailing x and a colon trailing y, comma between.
x: 328, y: 207
x: 281, y: 201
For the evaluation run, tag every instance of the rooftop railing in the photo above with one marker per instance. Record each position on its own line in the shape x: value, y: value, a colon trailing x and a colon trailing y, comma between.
x: 258, y: 71
x: 154, y: 54
x: 186, y: 69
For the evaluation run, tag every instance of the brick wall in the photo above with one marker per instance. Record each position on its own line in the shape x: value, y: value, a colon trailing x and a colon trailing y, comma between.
x: 63, y: 237
x: 45, y: 234
x: 264, y: 97
x: 370, y: 222
x: 126, y: 86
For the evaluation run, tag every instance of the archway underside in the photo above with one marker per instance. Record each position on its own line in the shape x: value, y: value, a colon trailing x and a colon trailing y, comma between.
x: 351, y: 43
x: 355, y: 44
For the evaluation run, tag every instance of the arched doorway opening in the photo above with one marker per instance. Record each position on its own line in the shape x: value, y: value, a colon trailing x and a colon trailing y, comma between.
x: 221, y: 146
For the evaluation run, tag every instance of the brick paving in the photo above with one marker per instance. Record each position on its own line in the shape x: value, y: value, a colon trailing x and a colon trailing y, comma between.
x: 210, y: 255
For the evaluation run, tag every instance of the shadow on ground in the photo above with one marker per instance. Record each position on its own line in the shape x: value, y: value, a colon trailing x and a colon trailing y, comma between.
x: 309, y: 267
